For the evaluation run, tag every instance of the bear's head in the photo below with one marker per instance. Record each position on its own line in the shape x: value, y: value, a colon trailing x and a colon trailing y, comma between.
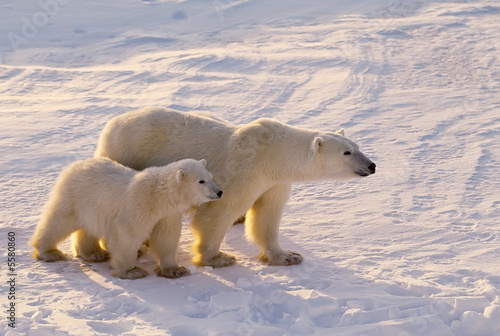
x: 339, y: 158
x: 196, y: 182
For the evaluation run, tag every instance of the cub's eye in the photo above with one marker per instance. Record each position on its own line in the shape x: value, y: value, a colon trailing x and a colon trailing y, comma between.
x: 347, y: 153
x: 201, y: 182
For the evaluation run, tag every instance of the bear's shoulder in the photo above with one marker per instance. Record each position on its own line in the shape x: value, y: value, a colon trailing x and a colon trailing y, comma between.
x: 102, y: 165
x: 155, y: 114
x: 266, y: 129
x: 262, y: 126
x: 259, y: 134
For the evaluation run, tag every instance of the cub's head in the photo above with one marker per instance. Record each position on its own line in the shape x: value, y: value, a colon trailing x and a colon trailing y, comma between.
x: 196, y: 182
x: 339, y: 158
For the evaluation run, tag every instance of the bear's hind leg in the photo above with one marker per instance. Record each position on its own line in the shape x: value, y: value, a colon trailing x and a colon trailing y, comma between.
x: 123, y: 244
x: 56, y: 225
x: 262, y: 225
x: 123, y: 257
x: 87, y: 247
x: 164, y: 241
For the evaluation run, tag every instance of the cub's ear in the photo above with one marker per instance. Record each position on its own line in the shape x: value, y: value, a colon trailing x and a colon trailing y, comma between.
x: 340, y: 132
x: 203, y: 162
x: 179, y: 175
x: 318, y: 144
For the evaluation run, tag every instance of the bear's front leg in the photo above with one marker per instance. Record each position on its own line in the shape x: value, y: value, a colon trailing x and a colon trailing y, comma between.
x: 163, y: 243
x: 262, y: 225
x: 209, y: 225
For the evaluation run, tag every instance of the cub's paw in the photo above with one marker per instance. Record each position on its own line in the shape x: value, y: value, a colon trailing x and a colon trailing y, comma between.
x: 172, y: 272
x: 134, y: 273
x: 97, y: 256
x: 286, y: 258
x: 220, y: 260
x: 49, y: 256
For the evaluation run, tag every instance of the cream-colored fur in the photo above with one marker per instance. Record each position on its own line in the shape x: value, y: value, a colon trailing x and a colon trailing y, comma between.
x: 100, y: 199
x: 255, y: 164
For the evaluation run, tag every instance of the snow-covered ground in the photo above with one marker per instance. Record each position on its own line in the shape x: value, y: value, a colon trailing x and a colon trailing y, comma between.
x: 412, y: 250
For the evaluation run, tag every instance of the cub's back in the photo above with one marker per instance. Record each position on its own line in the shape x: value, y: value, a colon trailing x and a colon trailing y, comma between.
x: 94, y: 180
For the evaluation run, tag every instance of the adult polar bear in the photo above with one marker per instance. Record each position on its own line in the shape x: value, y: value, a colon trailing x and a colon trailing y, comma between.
x: 255, y: 164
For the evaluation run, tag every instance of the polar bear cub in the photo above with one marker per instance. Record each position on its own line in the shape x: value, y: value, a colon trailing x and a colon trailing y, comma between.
x: 99, y: 198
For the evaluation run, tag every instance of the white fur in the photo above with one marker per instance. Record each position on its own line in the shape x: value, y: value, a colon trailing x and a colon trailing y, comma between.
x: 255, y: 164
x: 100, y: 199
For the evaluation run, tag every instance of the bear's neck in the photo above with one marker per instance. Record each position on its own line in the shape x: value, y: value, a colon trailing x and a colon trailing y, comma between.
x: 158, y: 201
x: 290, y: 155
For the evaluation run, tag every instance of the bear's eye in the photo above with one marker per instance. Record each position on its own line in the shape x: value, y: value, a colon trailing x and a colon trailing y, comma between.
x: 347, y: 153
x: 201, y: 181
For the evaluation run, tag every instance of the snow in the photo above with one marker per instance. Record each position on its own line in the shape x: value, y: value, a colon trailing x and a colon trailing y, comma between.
x: 412, y: 250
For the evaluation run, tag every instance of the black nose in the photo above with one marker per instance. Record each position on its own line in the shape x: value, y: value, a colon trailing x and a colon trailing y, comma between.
x: 219, y: 193
x: 372, y: 168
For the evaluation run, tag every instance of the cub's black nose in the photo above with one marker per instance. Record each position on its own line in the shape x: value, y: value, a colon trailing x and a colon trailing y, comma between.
x: 372, y: 168
x: 219, y: 193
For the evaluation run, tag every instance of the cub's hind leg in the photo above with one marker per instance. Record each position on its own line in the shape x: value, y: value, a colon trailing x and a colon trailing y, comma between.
x: 87, y: 247
x: 123, y: 245
x: 57, y: 223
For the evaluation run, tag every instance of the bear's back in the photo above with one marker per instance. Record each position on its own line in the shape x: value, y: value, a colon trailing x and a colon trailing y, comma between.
x: 95, y: 176
x: 156, y: 136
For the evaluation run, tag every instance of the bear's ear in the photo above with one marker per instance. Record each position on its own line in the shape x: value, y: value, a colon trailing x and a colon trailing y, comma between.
x: 203, y: 162
x: 340, y: 132
x: 318, y: 144
x: 179, y: 175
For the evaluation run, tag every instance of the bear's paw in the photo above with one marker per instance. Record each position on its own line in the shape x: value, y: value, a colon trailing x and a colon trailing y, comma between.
x: 286, y: 258
x: 132, y: 274
x: 172, y: 272
x: 96, y: 256
x: 220, y: 260
x: 50, y: 256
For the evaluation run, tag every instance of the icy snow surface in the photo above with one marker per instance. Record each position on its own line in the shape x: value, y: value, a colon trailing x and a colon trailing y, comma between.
x: 412, y: 250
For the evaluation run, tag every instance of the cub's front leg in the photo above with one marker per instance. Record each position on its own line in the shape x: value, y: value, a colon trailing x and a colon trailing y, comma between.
x: 163, y: 242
